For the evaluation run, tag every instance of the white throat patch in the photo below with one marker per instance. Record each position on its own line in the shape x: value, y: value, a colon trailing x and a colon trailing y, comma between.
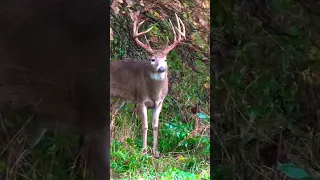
x: 158, y: 76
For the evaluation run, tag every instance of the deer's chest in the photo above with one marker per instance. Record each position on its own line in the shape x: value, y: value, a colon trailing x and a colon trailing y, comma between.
x: 158, y: 95
x: 155, y: 95
x: 153, y: 99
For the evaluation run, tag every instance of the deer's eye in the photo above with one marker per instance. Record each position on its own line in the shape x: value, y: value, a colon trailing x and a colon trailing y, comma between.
x: 153, y: 60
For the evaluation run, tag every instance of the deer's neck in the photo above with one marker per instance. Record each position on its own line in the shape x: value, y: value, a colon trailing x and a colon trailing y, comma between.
x: 154, y: 86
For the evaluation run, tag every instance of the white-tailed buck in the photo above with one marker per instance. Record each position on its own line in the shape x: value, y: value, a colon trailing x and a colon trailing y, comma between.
x: 145, y: 83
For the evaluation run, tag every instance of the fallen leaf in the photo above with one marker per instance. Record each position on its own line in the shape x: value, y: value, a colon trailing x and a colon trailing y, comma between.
x: 115, y: 6
x: 141, y: 3
x: 206, y: 85
x: 292, y: 171
x: 157, y: 15
x: 129, y: 2
x: 203, y: 22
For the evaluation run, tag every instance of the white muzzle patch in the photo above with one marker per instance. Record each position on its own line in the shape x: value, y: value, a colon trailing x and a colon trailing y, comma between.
x: 158, y: 76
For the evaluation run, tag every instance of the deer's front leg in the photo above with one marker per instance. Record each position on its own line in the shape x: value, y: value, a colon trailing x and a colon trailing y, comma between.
x: 155, y: 124
x: 142, y: 112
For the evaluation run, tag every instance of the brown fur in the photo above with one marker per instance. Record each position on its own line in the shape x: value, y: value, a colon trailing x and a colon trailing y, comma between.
x: 142, y: 82
x: 141, y: 88
x: 130, y: 80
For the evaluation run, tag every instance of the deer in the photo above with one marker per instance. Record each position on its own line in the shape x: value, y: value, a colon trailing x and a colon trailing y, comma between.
x: 53, y: 64
x: 144, y: 83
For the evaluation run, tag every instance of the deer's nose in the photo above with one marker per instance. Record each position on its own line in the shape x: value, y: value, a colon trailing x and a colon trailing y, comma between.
x: 161, y: 69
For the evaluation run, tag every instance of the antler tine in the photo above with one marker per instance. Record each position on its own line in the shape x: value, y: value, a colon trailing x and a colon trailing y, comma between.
x: 136, y: 34
x: 145, y: 37
x: 179, y: 27
x: 167, y: 42
x: 181, y: 34
x: 179, y: 21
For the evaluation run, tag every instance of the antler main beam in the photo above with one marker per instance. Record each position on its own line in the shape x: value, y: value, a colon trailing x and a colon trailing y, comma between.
x: 178, y: 36
x: 136, y: 25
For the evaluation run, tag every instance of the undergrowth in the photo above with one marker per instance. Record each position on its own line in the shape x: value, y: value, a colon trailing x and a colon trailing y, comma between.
x: 266, y: 104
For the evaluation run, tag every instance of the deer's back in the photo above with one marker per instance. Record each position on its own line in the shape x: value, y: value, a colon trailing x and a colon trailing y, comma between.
x: 125, y: 77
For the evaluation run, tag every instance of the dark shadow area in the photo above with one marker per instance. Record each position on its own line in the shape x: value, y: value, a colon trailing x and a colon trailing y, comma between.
x: 54, y: 64
x: 266, y: 88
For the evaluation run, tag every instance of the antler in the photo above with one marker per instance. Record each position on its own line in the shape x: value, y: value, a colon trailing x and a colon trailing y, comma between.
x: 181, y: 34
x: 136, y: 25
x: 135, y: 16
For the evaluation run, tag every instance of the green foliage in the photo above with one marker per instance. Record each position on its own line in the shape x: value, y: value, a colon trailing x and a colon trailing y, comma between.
x: 292, y: 171
x: 120, y: 51
x: 129, y: 164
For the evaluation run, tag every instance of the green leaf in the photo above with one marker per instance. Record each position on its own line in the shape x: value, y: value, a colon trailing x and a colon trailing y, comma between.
x: 292, y: 171
x: 130, y: 142
x: 197, y: 39
x: 2, y: 166
x: 202, y: 116
x: 254, y: 112
x: 9, y: 123
x: 294, y: 31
